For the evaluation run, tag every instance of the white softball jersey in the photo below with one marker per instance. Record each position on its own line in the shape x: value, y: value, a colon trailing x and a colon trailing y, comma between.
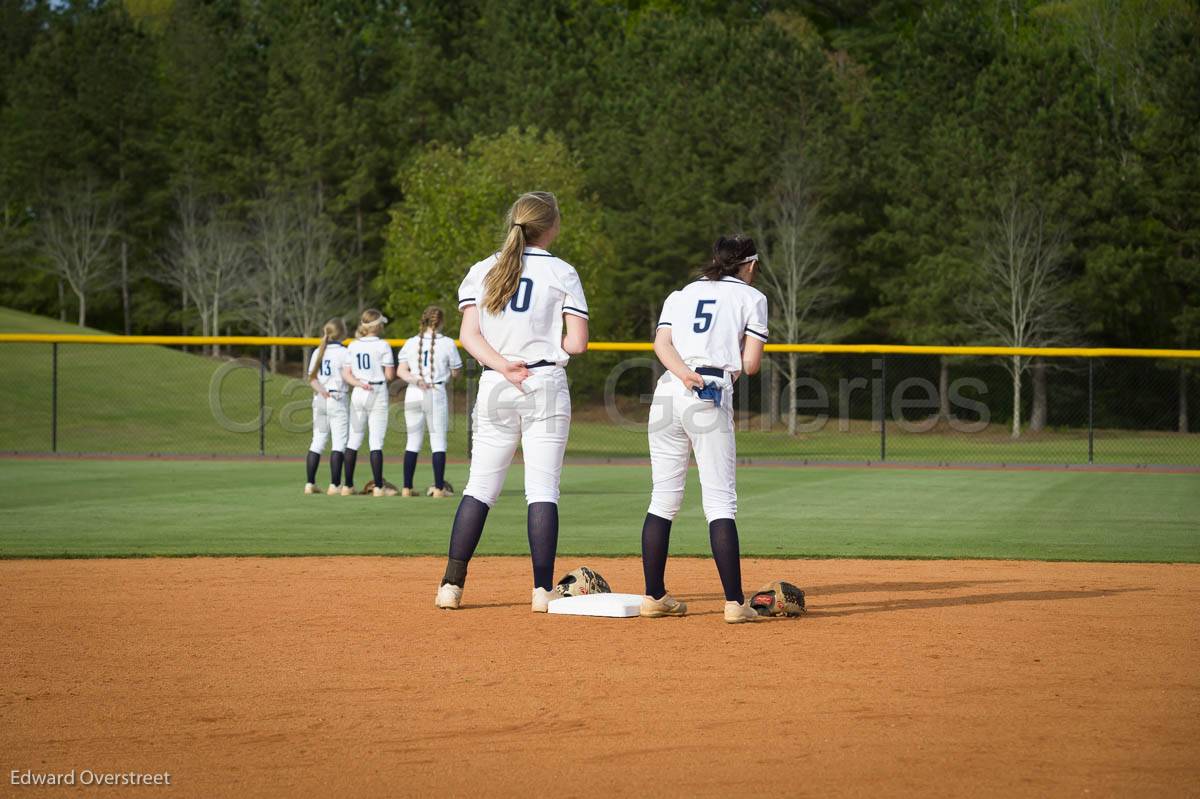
x: 529, y: 329
x: 432, y: 359
x: 709, y: 320
x: 538, y: 414
x: 329, y: 372
x: 331, y: 416
x: 367, y: 358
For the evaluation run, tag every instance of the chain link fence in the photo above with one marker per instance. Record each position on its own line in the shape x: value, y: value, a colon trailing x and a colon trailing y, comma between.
x: 870, y: 408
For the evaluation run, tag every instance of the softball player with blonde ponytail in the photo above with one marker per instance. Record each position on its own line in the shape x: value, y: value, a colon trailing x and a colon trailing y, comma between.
x: 515, y: 305
x: 710, y: 332
x: 427, y: 362
x: 369, y: 366
x: 331, y: 415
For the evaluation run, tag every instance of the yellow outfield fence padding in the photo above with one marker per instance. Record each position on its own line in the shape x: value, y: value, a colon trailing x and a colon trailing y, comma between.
x: 629, y: 346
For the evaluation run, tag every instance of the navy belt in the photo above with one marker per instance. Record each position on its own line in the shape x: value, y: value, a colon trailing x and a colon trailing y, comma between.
x: 711, y: 371
x: 534, y: 365
x: 376, y: 382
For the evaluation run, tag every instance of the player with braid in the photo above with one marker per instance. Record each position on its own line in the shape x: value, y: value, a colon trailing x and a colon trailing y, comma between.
x: 427, y: 362
x: 331, y: 414
x: 515, y: 305
x: 710, y: 332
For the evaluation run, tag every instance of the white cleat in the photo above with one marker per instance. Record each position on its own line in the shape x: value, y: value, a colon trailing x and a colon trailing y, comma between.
x: 739, y: 613
x: 347, y: 491
x: 334, y: 490
x: 377, y: 492
x: 667, y: 606
x: 541, y: 600
x: 449, y: 597
x: 311, y: 488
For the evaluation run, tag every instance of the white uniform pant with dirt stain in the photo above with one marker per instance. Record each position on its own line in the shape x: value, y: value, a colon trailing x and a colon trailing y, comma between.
x: 368, y: 410
x: 680, y: 421
x: 426, y: 408
x: 331, y: 419
x: 537, y: 416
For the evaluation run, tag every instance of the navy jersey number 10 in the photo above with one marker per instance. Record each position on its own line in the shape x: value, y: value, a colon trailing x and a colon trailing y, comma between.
x: 703, y: 318
x: 364, y: 360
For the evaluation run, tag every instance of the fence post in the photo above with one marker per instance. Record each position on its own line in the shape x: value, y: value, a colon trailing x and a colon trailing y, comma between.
x: 262, y: 401
x: 883, y: 408
x: 54, y: 397
x: 1091, y: 406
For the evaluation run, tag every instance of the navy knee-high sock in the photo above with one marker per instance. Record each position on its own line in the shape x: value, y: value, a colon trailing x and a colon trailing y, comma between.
x: 656, y: 538
x: 336, y: 459
x: 351, y: 462
x: 377, y: 467
x: 543, y: 542
x: 464, y: 537
x: 311, y: 462
x: 410, y: 467
x: 439, y: 470
x: 723, y: 536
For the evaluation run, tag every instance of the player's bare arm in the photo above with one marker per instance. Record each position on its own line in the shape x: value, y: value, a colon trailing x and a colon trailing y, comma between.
x: 348, y: 376
x: 575, y: 342
x: 752, y: 352
x: 474, y: 342
x: 317, y: 387
x: 664, y: 348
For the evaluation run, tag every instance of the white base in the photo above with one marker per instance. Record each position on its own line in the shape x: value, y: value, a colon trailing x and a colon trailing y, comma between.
x: 618, y: 606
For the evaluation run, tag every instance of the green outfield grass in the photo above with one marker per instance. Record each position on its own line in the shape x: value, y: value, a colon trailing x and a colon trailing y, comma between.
x: 81, y: 508
x: 144, y: 399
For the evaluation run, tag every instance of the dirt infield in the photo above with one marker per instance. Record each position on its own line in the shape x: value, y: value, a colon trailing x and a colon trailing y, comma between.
x: 337, y: 677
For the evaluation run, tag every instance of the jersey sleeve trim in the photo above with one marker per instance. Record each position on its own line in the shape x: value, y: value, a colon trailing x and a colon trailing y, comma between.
x: 662, y: 324
x: 575, y: 311
x: 756, y: 334
x: 465, y: 301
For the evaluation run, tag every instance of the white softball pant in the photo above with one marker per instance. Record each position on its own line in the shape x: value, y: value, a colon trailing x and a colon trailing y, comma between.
x: 679, y: 420
x: 539, y: 418
x: 426, y: 408
x: 330, y: 417
x: 368, y: 409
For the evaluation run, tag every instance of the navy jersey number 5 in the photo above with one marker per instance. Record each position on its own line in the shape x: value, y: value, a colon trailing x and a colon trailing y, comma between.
x: 703, y: 318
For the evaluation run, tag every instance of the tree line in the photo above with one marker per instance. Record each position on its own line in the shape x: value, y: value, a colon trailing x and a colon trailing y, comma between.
x: 987, y: 171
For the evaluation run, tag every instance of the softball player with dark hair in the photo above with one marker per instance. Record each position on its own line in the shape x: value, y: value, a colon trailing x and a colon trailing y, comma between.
x: 710, y: 332
x: 331, y: 414
x: 515, y: 305
x: 427, y: 362
x: 370, y: 365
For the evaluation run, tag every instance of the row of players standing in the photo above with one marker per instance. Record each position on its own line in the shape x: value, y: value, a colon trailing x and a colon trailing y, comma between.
x: 515, y: 305
x: 350, y: 400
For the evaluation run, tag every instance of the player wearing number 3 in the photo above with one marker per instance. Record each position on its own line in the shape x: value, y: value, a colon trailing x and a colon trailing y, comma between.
x: 426, y: 363
x: 330, y: 407
x: 711, y: 332
x: 369, y: 366
x: 514, y: 305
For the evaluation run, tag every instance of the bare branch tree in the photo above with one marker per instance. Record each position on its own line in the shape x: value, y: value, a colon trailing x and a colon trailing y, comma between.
x: 207, y: 252
x: 798, y: 270
x: 74, y: 230
x: 1020, y: 300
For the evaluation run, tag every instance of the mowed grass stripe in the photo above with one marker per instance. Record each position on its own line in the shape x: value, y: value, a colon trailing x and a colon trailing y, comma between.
x: 73, y: 508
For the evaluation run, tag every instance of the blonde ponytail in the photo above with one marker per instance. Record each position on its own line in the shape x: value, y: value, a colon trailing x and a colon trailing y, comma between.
x: 334, y: 330
x: 529, y: 218
x: 370, y: 323
x: 431, y: 319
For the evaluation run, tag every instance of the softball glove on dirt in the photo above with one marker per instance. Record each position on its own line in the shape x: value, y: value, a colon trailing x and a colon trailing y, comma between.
x: 778, y: 599
x: 582, y: 581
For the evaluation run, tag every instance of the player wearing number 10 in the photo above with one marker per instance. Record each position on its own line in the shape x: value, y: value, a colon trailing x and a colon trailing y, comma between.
x: 711, y: 332
x: 515, y: 304
x: 370, y: 365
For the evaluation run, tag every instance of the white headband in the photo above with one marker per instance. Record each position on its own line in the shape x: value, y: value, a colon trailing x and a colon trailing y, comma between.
x: 747, y: 259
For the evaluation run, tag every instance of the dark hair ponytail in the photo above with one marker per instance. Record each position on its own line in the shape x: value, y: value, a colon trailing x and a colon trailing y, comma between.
x: 729, y: 253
